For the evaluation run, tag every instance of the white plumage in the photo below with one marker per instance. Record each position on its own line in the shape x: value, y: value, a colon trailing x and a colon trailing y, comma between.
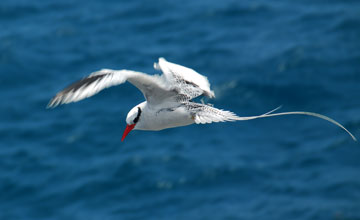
x: 168, y: 98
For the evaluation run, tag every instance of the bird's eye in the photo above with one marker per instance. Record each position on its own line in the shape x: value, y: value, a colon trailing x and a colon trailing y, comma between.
x: 138, y: 116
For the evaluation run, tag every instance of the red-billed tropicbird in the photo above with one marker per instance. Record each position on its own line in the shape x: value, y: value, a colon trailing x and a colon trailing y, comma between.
x: 168, y: 98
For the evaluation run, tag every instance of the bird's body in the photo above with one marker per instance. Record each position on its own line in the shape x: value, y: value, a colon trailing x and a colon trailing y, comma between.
x: 155, y: 118
x: 168, y: 98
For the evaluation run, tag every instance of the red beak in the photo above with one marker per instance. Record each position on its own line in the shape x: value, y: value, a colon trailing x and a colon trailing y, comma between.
x: 127, y: 131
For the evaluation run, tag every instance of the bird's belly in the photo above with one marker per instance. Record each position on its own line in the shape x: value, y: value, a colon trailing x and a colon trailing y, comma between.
x: 167, y: 118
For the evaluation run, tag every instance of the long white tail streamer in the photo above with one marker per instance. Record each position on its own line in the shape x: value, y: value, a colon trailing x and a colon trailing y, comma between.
x: 271, y: 114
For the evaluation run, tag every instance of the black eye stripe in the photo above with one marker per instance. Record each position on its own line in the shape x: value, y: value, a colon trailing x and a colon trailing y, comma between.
x: 138, y: 115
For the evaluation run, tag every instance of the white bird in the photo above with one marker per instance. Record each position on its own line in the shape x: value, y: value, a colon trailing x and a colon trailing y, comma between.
x: 168, y: 98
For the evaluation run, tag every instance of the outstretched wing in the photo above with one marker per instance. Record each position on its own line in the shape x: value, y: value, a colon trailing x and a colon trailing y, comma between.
x: 203, y: 114
x: 151, y: 86
x: 185, y: 81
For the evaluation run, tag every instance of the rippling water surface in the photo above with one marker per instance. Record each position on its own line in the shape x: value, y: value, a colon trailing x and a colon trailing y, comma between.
x: 70, y: 163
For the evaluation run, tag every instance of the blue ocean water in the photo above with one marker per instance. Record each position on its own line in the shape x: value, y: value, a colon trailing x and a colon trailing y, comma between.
x: 70, y: 163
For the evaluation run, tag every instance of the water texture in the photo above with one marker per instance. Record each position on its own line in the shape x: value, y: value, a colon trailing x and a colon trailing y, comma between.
x: 70, y: 163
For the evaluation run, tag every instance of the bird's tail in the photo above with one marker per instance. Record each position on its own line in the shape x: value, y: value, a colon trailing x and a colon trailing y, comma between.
x: 271, y: 114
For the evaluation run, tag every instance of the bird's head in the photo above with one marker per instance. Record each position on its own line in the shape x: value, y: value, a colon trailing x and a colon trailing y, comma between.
x: 132, y: 119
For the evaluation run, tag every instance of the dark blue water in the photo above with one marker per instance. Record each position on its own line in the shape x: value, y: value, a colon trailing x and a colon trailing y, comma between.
x: 70, y: 163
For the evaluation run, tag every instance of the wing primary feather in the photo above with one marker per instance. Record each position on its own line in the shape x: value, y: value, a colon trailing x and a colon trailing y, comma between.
x: 78, y: 90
